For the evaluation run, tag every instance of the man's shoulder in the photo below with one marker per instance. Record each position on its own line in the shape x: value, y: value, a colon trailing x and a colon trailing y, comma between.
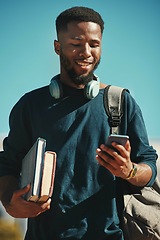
x: 33, y: 97
x: 37, y: 94
x: 38, y: 91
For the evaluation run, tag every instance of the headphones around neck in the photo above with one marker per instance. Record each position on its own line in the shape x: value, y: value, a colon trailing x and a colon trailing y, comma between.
x: 91, y: 90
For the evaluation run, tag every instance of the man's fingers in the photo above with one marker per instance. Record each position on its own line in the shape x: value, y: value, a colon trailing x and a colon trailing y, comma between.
x: 46, y: 205
x: 22, y: 191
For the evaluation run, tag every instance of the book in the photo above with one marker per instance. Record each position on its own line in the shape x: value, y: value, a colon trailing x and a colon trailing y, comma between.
x: 38, y: 169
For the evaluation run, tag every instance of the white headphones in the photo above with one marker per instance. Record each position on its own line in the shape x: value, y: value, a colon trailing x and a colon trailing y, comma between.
x: 91, y: 90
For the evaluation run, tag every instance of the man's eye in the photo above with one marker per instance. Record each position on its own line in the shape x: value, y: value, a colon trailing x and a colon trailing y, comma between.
x: 75, y: 44
x: 94, y: 45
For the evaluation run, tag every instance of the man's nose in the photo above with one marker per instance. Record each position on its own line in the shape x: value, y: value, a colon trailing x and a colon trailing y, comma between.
x: 85, y: 51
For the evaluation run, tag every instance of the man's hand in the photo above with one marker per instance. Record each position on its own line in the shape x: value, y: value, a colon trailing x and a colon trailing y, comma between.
x: 117, y: 159
x: 13, y: 201
x: 20, y: 208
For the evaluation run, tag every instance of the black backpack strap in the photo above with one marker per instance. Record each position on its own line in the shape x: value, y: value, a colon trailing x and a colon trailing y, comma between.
x: 113, y: 103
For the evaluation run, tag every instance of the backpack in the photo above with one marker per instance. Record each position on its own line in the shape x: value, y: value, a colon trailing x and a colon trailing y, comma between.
x: 141, y: 213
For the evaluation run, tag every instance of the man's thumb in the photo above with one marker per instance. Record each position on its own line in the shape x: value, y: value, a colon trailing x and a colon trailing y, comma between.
x: 24, y: 190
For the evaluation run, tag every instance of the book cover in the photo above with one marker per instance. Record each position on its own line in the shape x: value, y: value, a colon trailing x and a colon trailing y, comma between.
x: 48, y: 176
x: 38, y: 169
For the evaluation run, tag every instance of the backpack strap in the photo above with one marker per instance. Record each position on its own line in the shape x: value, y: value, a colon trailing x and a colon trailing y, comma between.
x: 113, y: 103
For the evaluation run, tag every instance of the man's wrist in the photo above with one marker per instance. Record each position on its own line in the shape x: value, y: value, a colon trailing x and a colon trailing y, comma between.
x: 132, y: 172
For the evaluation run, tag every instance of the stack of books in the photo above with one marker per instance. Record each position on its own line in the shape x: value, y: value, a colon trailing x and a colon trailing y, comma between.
x: 38, y: 170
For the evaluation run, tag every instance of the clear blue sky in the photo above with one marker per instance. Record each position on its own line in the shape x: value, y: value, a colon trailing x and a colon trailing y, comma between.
x: 130, y: 58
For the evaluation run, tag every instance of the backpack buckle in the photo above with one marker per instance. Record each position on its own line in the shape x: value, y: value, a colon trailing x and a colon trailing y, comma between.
x: 115, y: 121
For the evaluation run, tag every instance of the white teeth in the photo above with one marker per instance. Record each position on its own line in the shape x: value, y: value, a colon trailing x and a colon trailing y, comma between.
x: 82, y: 63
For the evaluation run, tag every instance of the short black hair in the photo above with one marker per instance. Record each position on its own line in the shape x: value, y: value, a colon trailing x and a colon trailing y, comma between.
x: 82, y: 14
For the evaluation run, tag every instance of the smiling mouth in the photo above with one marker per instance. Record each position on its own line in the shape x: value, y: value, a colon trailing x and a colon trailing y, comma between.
x: 83, y: 64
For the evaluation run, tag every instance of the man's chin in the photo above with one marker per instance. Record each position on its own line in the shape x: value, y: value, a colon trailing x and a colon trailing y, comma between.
x: 82, y: 79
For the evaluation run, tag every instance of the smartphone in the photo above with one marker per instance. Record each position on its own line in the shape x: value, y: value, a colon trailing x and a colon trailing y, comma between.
x: 121, y: 139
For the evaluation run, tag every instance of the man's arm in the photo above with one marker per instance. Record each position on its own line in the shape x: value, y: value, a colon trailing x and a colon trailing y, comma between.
x: 13, y: 202
x: 117, y: 161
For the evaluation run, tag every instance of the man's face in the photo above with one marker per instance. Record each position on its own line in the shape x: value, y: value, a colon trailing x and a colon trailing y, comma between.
x: 80, y: 49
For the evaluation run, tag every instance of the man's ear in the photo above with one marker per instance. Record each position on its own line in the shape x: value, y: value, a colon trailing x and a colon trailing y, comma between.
x: 57, y: 47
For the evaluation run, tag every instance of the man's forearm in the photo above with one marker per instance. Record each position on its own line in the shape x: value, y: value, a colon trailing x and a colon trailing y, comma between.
x: 8, y: 184
x: 143, y: 175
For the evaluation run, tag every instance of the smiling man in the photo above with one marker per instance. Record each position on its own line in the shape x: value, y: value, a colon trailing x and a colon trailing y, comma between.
x: 79, y: 48
x: 70, y: 115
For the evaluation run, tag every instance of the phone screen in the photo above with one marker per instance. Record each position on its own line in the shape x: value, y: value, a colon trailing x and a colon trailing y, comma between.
x: 121, y: 139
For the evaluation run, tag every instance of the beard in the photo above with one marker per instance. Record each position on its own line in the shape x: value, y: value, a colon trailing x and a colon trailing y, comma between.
x: 75, y: 78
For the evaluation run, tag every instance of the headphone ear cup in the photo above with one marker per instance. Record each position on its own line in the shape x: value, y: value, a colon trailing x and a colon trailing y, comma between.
x: 91, y: 90
x: 55, y: 89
